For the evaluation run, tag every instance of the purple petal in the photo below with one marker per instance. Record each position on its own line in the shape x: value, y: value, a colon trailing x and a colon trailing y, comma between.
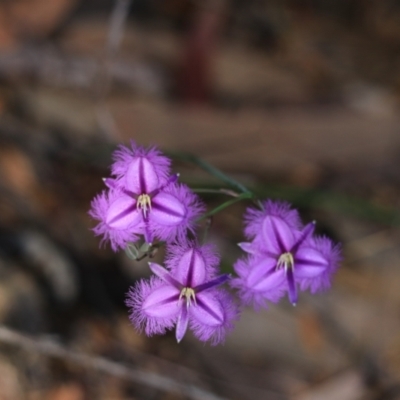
x: 122, y: 213
x: 180, y: 208
x: 216, y: 333
x: 254, y: 217
x: 178, y: 256
x: 247, y: 247
x: 164, y: 275
x: 171, y: 180
x: 278, y: 235
x: 264, y: 276
x: 99, y: 211
x: 273, y: 290
x: 148, y: 236
x: 110, y: 183
x: 305, y: 234
x: 162, y: 302
x: 191, y: 268
x: 329, y: 252
x: 167, y: 210
x: 141, y: 176
x: 309, y: 263
x: 291, y: 286
x: 213, y: 283
x: 138, y: 168
x: 139, y: 318
x: 182, y: 324
x: 208, y: 310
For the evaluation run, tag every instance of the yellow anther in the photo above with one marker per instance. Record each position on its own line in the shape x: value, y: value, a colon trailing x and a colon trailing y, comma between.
x: 189, y: 294
x: 285, y: 261
x: 144, y: 203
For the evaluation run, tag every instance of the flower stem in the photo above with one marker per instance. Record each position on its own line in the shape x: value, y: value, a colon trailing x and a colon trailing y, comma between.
x: 210, y: 169
x: 243, y: 196
x: 207, y: 227
x: 228, y: 192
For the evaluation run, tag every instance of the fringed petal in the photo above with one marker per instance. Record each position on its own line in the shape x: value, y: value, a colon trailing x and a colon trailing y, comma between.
x: 139, y: 315
x: 155, y: 166
x: 100, y: 211
x: 215, y: 326
x: 174, y: 213
x: 254, y: 218
x: 331, y: 252
x: 270, y: 289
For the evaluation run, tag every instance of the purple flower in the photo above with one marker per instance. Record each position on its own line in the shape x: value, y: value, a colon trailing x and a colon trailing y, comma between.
x: 184, y: 296
x: 282, y: 255
x: 142, y: 199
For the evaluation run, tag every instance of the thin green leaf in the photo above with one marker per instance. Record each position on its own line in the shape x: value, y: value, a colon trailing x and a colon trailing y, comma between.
x: 246, y: 195
x: 333, y: 201
x: 210, y: 169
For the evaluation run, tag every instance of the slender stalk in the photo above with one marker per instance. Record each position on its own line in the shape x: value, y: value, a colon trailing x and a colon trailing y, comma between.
x: 207, y: 227
x: 228, y: 192
x: 117, y: 22
x: 246, y: 195
x: 325, y: 200
x: 204, y: 165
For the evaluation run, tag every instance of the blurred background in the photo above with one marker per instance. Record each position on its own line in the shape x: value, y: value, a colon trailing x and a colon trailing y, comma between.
x: 299, y: 100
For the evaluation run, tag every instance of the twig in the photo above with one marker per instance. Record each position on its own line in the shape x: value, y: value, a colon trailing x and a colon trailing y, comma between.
x: 116, y: 27
x: 101, y: 364
x: 117, y: 22
x: 49, y: 66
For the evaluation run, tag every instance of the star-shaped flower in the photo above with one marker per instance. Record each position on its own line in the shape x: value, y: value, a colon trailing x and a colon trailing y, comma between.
x: 282, y: 255
x: 186, y: 295
x: 143, y: 199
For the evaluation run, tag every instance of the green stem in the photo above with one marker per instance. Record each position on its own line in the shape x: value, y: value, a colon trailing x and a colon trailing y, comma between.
x: 345, y: 204
x: 246, y: 195
x: 210, y: 169
x: 207, y: 227
x: 228, y: 192
x: 328, y: 200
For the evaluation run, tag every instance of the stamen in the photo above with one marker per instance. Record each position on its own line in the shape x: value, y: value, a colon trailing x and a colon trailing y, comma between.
x: 143, y: 203
x: 190, y: 295
x: 285, y: 261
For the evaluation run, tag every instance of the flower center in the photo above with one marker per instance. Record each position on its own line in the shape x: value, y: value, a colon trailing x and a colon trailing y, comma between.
x: 143, y: 203
x: 285, y: 261
x: 189, y: 294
